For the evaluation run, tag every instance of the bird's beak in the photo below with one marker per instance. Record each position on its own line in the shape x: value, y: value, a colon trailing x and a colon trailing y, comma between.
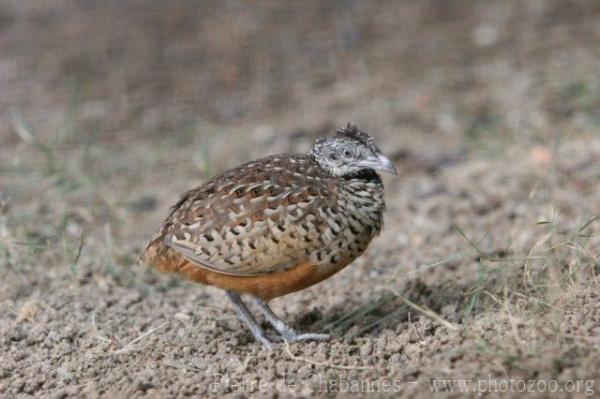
x: 379, y: 162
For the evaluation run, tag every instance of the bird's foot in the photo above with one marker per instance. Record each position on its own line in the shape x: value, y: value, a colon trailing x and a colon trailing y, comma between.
x: 298, y: 337
x: 248, y: 319
x: 287, y: 333
x: 293, y: 336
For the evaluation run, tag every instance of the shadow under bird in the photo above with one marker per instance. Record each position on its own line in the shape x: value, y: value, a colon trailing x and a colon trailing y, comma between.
x: 277, y: 225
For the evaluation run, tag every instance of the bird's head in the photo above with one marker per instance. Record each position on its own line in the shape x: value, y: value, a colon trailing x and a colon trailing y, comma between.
x: 349, y: 151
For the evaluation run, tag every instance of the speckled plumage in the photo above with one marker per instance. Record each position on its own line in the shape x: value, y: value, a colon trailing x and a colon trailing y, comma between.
x: 270, y: 215
x: 278, y: 224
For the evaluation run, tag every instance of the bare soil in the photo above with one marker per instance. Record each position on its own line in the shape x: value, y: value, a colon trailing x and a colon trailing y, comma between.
x: 485, y: 278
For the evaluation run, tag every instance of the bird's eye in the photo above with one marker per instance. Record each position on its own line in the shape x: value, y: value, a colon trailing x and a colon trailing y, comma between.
x: 350, y: 152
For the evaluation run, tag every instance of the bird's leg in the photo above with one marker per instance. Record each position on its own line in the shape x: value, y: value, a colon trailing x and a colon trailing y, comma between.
x: 287, y: 332
x: 247, y: 318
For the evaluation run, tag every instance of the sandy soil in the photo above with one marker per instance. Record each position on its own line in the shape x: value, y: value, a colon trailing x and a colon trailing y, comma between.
x: 485, y: 278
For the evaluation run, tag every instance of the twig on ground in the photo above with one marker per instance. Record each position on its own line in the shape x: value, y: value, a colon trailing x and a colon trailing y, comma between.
x: 426, y: 311
x: 129, y: 347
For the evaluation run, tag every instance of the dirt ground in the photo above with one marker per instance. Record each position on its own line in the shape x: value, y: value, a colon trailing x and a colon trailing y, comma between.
x: 484, y: 280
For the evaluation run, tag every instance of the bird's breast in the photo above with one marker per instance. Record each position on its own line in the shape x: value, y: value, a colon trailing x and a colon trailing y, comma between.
x: 357, y: 219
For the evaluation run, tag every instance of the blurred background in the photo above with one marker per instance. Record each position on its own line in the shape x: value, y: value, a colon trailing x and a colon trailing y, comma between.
x: 110, y: 109
x: 127, y: 72
x: 189, y: 88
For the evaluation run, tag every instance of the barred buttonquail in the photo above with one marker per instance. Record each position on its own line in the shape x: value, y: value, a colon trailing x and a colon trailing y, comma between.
x: 277, y: 225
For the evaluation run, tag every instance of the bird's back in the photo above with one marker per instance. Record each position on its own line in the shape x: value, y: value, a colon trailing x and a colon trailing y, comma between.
x: 269, y: 216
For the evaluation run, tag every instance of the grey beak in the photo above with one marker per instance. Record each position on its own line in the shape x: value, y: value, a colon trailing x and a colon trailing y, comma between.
x: 379, y: 162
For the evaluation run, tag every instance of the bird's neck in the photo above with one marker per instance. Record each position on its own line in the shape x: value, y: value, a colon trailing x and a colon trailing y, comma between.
x: 362, y: 196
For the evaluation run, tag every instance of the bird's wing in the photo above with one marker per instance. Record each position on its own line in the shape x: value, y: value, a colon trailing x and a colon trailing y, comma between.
x: 260, y: 218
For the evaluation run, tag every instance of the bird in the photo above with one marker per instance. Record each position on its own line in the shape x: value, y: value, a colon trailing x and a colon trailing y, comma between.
x: 277, y: 225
